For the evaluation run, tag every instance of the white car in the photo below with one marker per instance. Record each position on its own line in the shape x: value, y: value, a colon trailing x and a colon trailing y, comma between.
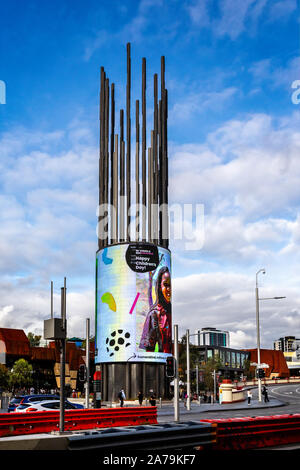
x: 47, y: 405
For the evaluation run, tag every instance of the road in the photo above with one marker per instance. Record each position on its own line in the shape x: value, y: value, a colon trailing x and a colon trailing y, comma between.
x: 284, y: 399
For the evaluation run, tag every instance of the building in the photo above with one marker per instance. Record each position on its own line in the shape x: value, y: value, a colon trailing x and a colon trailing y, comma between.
x: 287, y: 344
x: 233, y: 362
x: 275, y: 360
x: 212, y: 337
x: 290, y: 346
x: 45, y: 361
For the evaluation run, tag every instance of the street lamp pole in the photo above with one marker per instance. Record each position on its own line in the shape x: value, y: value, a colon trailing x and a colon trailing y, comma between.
x: 257, y: 299
x: 258, y: 330
x: 87, y: 349
x: 188, y: 372
x: 176, y: 378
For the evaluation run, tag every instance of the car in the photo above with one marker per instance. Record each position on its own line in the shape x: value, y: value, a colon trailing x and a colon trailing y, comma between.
x: 46, y: 405
x: 13, y: 403
x: 23, y: 399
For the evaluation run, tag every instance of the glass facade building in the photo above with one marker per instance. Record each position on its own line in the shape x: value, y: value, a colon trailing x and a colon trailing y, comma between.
x: 212, y: 337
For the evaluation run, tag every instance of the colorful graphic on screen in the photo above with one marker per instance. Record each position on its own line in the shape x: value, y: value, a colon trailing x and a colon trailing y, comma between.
x: 133, y: 296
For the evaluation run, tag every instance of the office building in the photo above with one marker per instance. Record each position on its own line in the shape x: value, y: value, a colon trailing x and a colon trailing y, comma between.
x: 212, y: 337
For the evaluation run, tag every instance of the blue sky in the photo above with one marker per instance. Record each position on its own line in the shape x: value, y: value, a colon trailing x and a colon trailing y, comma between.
x: 233, y: 146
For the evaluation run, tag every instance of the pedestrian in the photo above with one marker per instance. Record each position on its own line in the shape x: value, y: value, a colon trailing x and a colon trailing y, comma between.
x: 152, y: 400
x: 265, y: 394
x: 249, y: 394
x: 185, y: 399
x: 121, y: 396
x: 140, y: 398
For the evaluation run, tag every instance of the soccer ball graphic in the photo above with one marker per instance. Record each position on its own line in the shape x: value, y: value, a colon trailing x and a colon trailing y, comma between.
x: 118, y: 339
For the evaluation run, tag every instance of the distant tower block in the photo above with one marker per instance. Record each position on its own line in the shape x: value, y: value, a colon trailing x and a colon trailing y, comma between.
x: 133, y: 261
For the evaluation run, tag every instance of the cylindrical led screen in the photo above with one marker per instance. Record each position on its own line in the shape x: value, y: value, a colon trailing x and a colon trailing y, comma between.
x: 133, y: 303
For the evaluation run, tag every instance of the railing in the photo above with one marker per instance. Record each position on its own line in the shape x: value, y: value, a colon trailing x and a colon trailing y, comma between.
x: 252, y: 433
x: 13, y: 424
x: 276, y: 380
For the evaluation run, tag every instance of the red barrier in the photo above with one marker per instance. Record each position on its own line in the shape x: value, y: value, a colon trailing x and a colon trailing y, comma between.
x: 13, y: 424
x: 257, y: 432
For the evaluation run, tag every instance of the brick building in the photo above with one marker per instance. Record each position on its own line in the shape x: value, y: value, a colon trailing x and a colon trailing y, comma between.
x: 45, y: 361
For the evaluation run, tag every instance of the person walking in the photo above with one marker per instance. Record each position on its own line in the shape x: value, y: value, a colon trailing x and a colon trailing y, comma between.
x: 265, y: 394
x: 140, y: 398
x: 152, y: 400
x: 249, y: 394
x: 121, y: 396
x: 185, y: 396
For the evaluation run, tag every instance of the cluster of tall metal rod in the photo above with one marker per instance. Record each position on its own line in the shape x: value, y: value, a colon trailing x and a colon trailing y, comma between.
x: 151, y: 177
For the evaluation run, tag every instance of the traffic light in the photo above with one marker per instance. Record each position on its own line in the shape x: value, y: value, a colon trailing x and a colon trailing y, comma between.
x: 170, y: 367
x: 97, y: 389
x: 82, y: 373
x: 260, y: 373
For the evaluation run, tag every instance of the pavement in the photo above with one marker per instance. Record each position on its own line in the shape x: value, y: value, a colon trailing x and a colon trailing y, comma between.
x: 167, y: 407
x: 212, y: 407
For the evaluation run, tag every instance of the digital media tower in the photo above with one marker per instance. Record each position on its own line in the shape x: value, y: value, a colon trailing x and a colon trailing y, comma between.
x: 133, y: 263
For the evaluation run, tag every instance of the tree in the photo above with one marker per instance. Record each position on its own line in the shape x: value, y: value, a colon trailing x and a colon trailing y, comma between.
x: 208, y: 370
x: 21, y: 374
x: 4, y: 377
x: 248, y: 371
x: 92, y: 340
x: 194, y: 359
x: 34, y: 340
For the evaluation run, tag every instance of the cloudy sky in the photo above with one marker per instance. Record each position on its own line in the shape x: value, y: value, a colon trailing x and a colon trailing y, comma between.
x: 234, y: 148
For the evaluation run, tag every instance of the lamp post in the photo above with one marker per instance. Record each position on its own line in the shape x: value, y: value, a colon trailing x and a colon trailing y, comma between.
x: 188, y: 369
x: 176, y: 378
x: 87, y: 349
x: 257, y: 299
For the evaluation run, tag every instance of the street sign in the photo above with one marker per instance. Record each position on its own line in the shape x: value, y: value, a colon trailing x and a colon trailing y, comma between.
x: 260, y: 366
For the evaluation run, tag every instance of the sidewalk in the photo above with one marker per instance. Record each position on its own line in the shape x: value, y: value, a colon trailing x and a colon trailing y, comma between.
x: 167, y: 406
x: 212, y: 407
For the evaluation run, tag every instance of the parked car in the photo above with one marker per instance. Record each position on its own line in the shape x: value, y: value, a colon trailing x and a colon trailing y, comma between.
x: 52, y: 405
x: 32, y: 399
x: 13, y: 403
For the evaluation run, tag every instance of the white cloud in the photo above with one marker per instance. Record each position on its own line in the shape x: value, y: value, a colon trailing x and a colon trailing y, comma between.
x: 282, y: 9
x: 226, y: 300
x: 32, y: 306
x: 246, y: 174
x: 274, y: 74
x: 198, y: 103
x: 254, y: 169
x: 226, y: 17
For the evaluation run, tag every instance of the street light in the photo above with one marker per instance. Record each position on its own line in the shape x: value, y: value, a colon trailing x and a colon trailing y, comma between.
x: 188, y: 369
x: 257, y: 326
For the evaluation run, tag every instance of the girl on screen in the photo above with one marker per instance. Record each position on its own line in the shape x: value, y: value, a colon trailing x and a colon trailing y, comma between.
x: 157, y: 330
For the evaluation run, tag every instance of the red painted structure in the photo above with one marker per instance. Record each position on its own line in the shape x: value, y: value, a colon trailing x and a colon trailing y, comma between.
x: 15, y: 424
x: 15, y: 344
x: 253, y: 433
x: 275, y: 360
